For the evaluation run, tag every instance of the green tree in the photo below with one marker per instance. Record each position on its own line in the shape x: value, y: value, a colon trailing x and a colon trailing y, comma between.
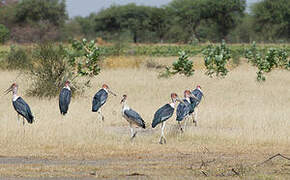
x: 159, y: 22
x: 4, y: 33
x: 191, y: 13
x: 35, y: 11
x: 87, y: 24
x: 131, y: 17
x: 187, y: 14
x: 272, y: 19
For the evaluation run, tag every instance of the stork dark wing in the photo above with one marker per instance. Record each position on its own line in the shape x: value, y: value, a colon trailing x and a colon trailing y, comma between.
x: 23, y: 109
x: 162, y: 114
x: 135, y: 117
x: 182, y: 110
x: 194, y: 102
x: 99, y: 99
x: 64, y: 100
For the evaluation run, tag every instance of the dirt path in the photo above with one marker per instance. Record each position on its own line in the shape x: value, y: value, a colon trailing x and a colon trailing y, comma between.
x: 170, y: 166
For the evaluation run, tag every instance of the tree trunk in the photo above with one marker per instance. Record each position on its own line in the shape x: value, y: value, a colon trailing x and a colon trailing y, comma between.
x: 135, y: 37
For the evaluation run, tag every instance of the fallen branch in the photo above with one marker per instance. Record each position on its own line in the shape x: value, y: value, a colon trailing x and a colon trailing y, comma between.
x: 236, y: 173
x: 272, y: 157
x: 135, y: 174
x: 204, y: 173
x: 203, y: 164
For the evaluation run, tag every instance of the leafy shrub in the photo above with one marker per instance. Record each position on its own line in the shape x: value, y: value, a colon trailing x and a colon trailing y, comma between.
x: 85, y: 57
x: 216, y: 59
x: 4, y: 34
x: 50, y: 72
x: 273, y: 58
x: 182, y: 66
x: 56, y: 64
x: 18, y: 58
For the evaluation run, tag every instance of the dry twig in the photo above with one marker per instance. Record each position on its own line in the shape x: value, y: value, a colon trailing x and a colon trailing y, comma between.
x: 272, y: 157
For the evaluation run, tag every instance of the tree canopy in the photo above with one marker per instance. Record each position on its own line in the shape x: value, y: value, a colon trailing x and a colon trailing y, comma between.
x: 272, y: 19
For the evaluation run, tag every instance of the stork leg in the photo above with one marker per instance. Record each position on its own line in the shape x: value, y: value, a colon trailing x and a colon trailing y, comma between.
x: 162, y: 137
x: 100, y: 114
x: 23, y: 121
x: 195, y: 116
x: 133, y: 134
x: 185, y: 120
x: 180, y: 127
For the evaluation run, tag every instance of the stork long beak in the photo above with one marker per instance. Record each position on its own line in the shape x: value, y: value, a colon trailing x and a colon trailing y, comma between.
x: 8, y: 90
x: 112, y: 92
x: 122, y: 100
x: 180, y: 100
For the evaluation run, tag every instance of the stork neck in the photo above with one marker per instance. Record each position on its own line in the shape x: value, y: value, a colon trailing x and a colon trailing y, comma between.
x: 67, y: 87
x: 187, y: 99
x: 172, y: 104
x: 105, y: 89
x: 15, y: 97
x: 125, y: 106
x: 199, y: 89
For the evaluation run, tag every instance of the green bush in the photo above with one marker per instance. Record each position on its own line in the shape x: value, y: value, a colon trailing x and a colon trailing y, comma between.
x: 53, y: 65
x: 182, y: 66
x: 265, y: 62
x: 4, y: 34
x: 50, y: 71
x: 18, y: 58
x: 216, y: 59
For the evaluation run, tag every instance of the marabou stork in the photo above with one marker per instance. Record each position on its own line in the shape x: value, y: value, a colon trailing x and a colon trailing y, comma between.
x: 20, y: 106
x: 100, y: 99
x: 183, y: 109
x: 64, y: 98
x: 195, y: 100
x: 163, y: 114
x: 131, y: 116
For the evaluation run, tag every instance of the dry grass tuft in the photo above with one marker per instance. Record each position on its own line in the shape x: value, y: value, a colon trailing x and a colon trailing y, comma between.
x: 121, y: 62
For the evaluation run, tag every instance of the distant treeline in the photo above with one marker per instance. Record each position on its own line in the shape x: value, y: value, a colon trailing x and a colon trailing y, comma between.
x: 181, y: 21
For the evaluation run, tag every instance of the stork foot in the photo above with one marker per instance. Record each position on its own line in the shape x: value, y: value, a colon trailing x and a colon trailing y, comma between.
x: 181, y: 129
x: 162, y: 142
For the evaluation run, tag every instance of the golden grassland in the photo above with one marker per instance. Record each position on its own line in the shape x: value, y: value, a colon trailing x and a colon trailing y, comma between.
x: 241, y: 123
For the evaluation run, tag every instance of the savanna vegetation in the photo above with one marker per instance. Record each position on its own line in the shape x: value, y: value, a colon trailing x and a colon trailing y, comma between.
x: 239, y: 56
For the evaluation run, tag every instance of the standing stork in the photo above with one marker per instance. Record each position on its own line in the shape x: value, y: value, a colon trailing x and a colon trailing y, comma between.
x: 64, y: 98
x: 163, y: 114
x: 196, y: 98
x: 183, y: 109
x: 131, y: 116
x: 100, y: 99
x: 20, y: 106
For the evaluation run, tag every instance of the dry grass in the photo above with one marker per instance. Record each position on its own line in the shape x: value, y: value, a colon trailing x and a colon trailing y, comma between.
x: 240, y: 121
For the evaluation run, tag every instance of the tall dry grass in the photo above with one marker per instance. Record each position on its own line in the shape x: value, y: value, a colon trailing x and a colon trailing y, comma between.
x: 236, y: 114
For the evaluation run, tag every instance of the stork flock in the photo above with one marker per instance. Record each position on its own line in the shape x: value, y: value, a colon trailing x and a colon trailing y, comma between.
x: 186, y: 109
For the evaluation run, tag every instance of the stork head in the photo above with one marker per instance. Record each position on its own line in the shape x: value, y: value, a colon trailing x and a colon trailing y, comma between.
x: 123, y: 99
x: 175, y: 97
x: 106, y: 87
x: 67, y: 83
x: 12, y: 88
x: 187, y: 93
x: 198, y: 87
